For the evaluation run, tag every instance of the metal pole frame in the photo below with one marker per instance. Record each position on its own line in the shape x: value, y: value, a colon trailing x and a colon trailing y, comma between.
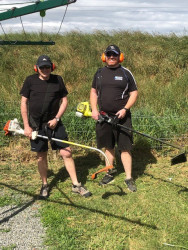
x: 33, y: 8
x: 37, y: 7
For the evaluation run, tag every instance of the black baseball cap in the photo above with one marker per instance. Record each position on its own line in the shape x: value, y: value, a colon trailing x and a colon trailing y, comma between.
x: 44, y: 61
x: 113, y: 48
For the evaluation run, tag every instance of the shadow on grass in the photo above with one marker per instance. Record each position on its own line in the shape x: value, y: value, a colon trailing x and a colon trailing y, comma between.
x: 184, y: 189
x: 141, y: 157
x: 71, y: 204
x: 106, y: 195
x: 90, y: 161
x: 82, y: 163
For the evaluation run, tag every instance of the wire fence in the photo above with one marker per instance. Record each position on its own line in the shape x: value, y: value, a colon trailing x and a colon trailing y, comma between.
x: 170, y: 128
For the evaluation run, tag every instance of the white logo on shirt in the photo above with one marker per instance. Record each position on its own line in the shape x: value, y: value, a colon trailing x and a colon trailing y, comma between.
x: 118, y: 78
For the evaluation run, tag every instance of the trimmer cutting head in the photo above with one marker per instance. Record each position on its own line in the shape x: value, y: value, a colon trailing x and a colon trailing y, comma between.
x: 94, y: 176
x: 178, y: 159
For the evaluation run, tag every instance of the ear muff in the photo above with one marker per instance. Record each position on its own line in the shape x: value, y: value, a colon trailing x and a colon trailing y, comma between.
x: 52, y: 67
x: 121, y: 57
x: 103, y: 57
x: 35, y: 68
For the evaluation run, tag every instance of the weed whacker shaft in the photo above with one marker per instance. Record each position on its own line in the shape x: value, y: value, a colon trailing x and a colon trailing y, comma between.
x: 177, y: 159
x: 75, y: 144
x: 114, y: 121
x: 13, y: 127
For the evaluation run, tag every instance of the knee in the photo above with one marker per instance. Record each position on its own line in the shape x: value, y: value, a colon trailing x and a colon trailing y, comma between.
x: 66, y: 153
x: 126, y: 153
x: 41, y: 157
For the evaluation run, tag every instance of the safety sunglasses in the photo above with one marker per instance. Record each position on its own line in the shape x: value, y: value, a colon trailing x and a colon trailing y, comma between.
x: 45, y: 67
x: 109, y: 54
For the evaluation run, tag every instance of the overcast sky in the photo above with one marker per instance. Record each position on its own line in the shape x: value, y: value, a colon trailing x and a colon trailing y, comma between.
x: 153, y: 16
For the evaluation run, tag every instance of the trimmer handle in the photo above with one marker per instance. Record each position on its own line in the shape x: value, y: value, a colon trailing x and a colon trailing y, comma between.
x: 104, y: 117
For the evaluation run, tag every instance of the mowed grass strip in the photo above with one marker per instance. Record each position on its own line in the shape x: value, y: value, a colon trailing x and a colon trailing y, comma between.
x: 113, y: 218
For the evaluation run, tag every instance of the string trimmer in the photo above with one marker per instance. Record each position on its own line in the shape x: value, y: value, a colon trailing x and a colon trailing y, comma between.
x: 114, y: 121
x: 13, y: 127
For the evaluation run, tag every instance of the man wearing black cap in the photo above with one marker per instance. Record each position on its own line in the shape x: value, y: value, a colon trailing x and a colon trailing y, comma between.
x: 114, y: 91
x: 46, y: 95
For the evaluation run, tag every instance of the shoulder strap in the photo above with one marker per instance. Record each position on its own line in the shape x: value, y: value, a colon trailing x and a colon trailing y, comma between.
x: 45, y: 105
x: 35, y: 124
x: 99, y: 86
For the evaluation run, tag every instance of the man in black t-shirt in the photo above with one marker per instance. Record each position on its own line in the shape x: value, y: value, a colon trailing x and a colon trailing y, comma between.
x: 114, y: 91
x: 43, y: 103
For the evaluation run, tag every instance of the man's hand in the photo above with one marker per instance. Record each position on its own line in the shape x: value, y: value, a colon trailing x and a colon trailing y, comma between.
x: 52, y: 123
x: 95, y: 115
x: 28, y: 132
x: 121, y: 113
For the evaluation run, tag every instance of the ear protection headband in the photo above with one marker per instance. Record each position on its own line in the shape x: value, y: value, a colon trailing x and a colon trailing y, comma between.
x: 52, y: 67
x: 121, y: 57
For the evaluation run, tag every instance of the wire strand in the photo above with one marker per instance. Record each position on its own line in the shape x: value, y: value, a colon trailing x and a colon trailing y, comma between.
x: 23, y: 27
x: 62, y: 20
x: 3, y: 31
x: 41, y: 28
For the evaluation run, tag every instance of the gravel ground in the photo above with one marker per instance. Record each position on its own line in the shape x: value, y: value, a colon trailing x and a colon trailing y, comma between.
x: 21, y: 228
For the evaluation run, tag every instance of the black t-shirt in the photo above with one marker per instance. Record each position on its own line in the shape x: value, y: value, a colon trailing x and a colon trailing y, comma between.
x: 44, y: 96
x: 113, y: 86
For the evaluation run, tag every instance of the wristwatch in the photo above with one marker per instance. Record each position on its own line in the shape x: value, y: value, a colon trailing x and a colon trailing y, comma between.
x: 126, y: 109
x: 57, y: 119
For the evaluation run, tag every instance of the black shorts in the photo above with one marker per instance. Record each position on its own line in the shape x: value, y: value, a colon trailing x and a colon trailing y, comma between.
x: 108, y: 136
x: 41, y: 145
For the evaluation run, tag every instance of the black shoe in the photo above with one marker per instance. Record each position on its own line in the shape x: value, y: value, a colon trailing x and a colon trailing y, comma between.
x: 131, y: 185
x: 112, y: 171
x: 44, y: 192
x: 108, y: 178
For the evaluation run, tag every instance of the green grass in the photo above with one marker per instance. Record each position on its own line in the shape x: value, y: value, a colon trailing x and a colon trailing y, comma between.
x: 159, y: 64
x: 113, y: 218
x: 11, y: 247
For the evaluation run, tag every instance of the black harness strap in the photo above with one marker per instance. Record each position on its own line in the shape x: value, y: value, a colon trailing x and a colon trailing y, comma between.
x: 49, y: 132
x: 33, y: 123
x: 99, y: 87
x: 44, y: 112
x: 45, y: 105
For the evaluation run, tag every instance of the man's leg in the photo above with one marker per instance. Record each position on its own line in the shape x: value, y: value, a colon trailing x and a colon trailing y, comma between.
x: 43, y: 169
x: 71, y: 169
x: 42, y: 166
x: 110, y: 153
x: 126, y: 159
x: 69, y: 164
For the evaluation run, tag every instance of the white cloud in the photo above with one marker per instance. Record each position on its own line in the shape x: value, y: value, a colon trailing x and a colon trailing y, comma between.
x: 163, y: 16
